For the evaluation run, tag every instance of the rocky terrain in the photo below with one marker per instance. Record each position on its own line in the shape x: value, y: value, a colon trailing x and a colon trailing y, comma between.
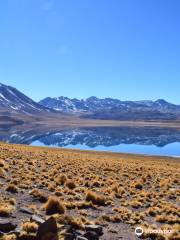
x: 64, y: 194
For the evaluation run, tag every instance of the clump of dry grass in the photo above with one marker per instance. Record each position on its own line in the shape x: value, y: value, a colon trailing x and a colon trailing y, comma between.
x: 6, y: 210
x: 153, y: 211
x: 70, y: 184
x: 135, y: 204
x: 37, y: 194
x: 1, y: 184
x: 2, y: 173
x: 29, y: 227
x: 2, y: 163
x: 171, y: 219
x: 123, y: 213
x: 137, y: 185
x: 12, y: 188
x: 164, y: 183
x: 176, y: 232
x: 12, y: 201
x: 54, y: 205
x: 74, y: 222
x: 96, y: 198
x: 61, y: 179
x: 9, y: 237
x: 58, y: 193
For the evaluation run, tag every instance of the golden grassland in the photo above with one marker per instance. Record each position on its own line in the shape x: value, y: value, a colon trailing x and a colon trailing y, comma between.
x: 116, y: 191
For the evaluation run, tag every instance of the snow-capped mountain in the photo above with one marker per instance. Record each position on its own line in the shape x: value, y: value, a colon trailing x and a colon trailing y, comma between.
x: 74, y: 105
x: 13, y: 101
x: 110, y: 108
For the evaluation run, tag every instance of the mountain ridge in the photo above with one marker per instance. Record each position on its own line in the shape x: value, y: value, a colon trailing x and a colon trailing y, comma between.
x: 56, y: 102
x: 14, y: 103
x: 115, y: 109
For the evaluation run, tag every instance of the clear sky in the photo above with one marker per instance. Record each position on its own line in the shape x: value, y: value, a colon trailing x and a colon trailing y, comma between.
x: 127, y: 49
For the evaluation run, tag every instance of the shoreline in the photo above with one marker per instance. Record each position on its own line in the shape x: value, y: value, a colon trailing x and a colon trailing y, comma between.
x: 108, y: 123
x: 59, y: 122
x: 120, y: 154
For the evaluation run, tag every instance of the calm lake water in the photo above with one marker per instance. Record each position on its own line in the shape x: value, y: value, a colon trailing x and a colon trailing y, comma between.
x: 172, y: 149
x: 141, y: 140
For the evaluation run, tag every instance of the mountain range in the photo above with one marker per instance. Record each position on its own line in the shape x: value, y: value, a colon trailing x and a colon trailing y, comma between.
x: 114, y: 109
x: 16, y: 106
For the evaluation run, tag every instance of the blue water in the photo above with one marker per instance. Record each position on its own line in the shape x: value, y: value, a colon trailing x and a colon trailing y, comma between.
x: 138, y: 140
x: 172, y: 149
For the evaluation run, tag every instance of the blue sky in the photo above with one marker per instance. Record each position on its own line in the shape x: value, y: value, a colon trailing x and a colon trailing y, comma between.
x: 127, y: 49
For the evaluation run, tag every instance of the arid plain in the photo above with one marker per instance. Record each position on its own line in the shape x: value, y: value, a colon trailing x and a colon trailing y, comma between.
x: 117, y: 192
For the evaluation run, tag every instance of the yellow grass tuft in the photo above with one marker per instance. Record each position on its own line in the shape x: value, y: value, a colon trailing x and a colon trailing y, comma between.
x: 54, y: 205
x: 70, y: 184
x: 29, y: 227
x: 9, y: 237
x: 6, y: 210
x: 95, y: 198
x: 12, y: 188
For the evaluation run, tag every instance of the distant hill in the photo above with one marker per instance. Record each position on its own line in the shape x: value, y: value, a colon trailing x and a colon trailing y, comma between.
x: 115, y: 109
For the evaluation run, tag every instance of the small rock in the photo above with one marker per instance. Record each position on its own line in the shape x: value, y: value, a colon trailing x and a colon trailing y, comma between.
x: 81, y: 238
x: 48, y: 228
x: 7, y: 225
x: 17, y: 232
x: 69, y: 229
x: 69, y: 236
x: 79, y: 232
x: 94, y: 228
x: 37, y: 219
x: 91, y: 235
x: 26, y: 210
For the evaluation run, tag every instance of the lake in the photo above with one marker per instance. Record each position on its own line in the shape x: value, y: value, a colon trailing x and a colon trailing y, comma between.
x: 140, y: 140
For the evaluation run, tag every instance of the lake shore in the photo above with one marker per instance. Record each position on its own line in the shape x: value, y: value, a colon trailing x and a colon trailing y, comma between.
x: 116, y: 191
x: 80, y: 122
x: 59, y: 121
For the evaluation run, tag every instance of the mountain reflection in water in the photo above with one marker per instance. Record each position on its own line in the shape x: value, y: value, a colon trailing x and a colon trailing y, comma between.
x: 90, y: 137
